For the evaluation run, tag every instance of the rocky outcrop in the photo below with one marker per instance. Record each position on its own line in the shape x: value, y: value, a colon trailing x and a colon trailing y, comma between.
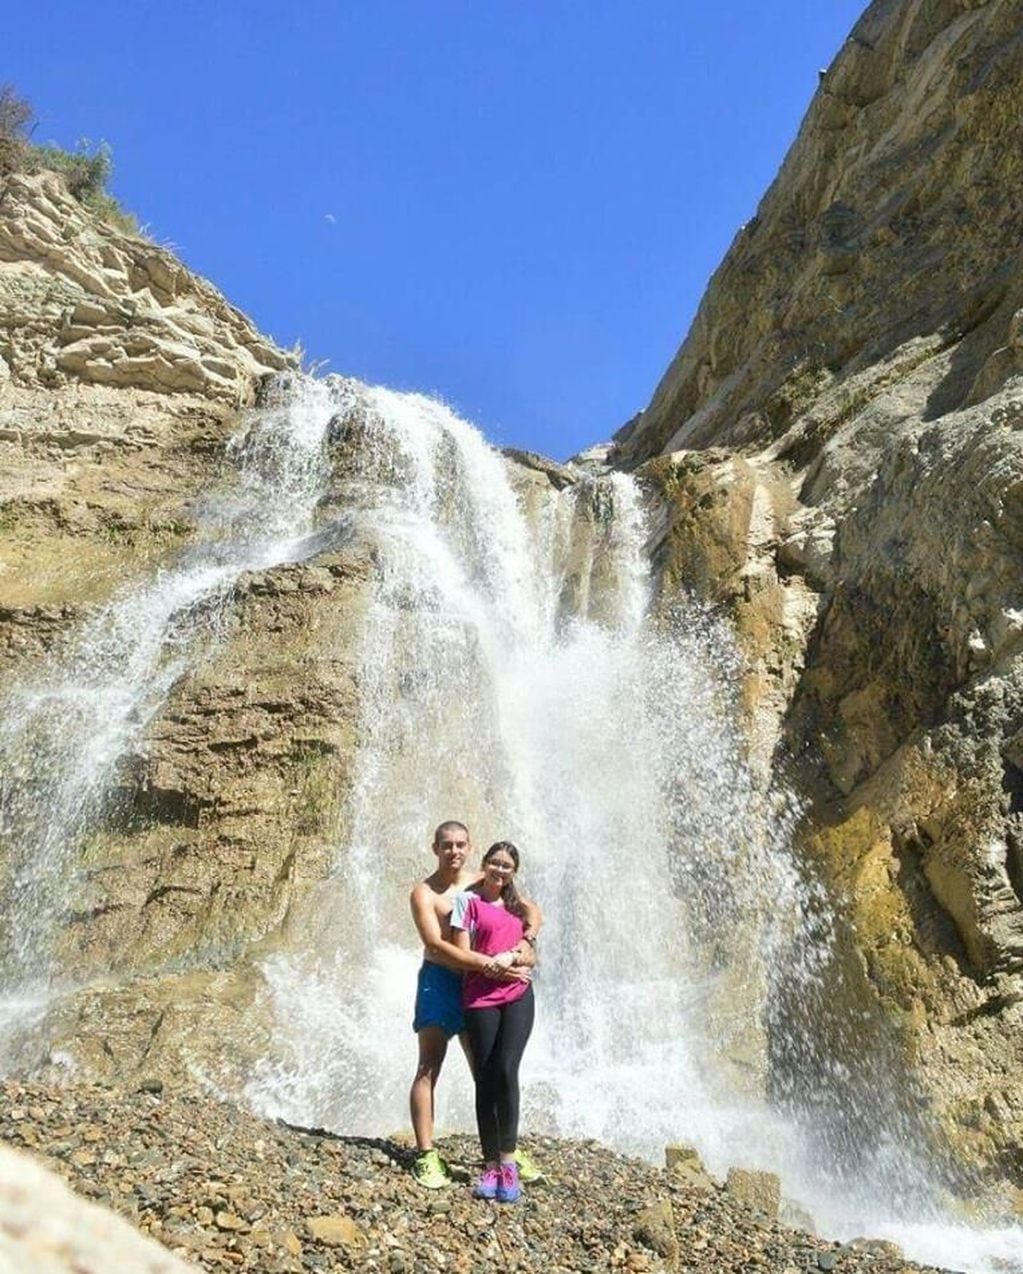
x: 45, y: 1229
x: 121, y: 379
x: 837, y: 457
x: 888, y: 239
x: 83, y: 301
x: 121, y: 374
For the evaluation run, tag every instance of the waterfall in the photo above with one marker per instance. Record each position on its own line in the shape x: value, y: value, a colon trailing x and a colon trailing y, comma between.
x: 64, y: 731
x: 512, y: 677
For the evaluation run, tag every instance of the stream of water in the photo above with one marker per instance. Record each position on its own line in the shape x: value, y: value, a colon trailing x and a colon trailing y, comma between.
x: 66, y: 728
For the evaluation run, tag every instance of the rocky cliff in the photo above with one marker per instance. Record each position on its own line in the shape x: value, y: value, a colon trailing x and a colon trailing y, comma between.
x: 120, y: 374
x: 837, y: 454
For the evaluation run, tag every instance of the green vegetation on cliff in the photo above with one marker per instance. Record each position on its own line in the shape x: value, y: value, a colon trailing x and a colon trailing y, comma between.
x: 86, y: 170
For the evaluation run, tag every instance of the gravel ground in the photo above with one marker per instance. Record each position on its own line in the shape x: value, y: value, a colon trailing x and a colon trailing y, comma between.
x: 227, y: 1190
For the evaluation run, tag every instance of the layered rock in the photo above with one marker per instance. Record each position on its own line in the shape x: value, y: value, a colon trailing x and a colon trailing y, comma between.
x: 225, y: 822
x: 837, y: 457
x: 83, y: 301
x: 121, y: 374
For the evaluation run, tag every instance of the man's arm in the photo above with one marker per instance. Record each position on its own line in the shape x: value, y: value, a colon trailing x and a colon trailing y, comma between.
x: 498, y: 968
x: 436, y: 946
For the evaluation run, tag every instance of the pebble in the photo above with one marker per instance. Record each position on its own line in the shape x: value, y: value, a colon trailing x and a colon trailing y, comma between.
x: 225, y: 1189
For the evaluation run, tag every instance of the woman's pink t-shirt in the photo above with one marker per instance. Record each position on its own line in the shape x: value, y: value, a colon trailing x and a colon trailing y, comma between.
x: 491, y: 930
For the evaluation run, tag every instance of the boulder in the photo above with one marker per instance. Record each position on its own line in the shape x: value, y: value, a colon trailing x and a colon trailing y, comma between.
x: 758, y: 1190
x: 45, y: 1229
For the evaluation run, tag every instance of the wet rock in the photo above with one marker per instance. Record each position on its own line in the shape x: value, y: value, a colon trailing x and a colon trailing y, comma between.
x: 682, y: 1156
x: 685, y: 1163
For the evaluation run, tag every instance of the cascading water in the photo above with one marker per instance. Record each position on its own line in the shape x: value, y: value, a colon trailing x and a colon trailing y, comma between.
x: 511, y: 678
x: 63, y: 733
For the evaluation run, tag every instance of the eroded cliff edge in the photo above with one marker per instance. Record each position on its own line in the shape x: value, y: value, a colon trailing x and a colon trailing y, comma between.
x: 838, y: 452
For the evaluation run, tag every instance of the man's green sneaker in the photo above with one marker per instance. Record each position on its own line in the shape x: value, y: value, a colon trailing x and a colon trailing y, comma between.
x: 431, y: 1171
x: 528, y: 1171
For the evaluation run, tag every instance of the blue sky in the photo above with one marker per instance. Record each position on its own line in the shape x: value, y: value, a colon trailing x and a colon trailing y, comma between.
x: 515, y: 204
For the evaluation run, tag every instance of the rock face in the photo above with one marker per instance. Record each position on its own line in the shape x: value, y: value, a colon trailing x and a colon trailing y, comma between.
x: 887, y: 240
x: 226, y: 821
x: 837, y: 455
x: 120, y: 376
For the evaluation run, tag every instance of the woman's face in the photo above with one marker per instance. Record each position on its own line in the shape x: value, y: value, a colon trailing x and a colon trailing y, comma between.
x: 497, y: 871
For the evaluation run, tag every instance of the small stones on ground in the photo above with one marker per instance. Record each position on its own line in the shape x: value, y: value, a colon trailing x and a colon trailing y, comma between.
x: 229, y: 1191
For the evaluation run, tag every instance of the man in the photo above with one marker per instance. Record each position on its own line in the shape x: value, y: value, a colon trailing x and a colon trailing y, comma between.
x: 438, y: 1014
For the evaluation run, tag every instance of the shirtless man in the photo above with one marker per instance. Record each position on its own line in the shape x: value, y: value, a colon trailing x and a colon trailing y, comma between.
x: 438, y: 1014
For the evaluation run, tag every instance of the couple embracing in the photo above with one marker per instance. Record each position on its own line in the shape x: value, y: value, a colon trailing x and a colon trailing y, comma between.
x: 478, y: 938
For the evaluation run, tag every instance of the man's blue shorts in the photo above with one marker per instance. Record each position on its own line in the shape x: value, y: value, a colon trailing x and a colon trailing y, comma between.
x: 439, y: 999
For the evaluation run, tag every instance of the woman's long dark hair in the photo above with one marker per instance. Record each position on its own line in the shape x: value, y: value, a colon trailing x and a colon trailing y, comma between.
x: 509, y: 894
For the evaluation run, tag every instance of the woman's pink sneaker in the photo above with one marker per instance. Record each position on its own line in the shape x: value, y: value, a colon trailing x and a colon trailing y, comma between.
x: 488, y: 1185
x: 508, y: 1188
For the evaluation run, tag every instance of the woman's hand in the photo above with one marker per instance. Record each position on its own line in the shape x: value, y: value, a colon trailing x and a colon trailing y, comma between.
x: 505, y: 973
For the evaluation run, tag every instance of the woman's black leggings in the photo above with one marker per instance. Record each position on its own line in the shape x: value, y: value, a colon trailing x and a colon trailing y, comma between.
x: 497, y: 1038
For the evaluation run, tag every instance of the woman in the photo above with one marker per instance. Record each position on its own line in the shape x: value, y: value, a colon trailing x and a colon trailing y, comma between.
x: 489, y: 918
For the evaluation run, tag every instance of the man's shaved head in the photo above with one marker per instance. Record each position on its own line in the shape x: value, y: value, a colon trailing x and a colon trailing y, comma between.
x: 450, y: 825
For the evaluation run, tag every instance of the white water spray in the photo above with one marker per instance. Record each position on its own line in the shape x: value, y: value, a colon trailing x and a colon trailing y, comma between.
x: 64, y: 732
